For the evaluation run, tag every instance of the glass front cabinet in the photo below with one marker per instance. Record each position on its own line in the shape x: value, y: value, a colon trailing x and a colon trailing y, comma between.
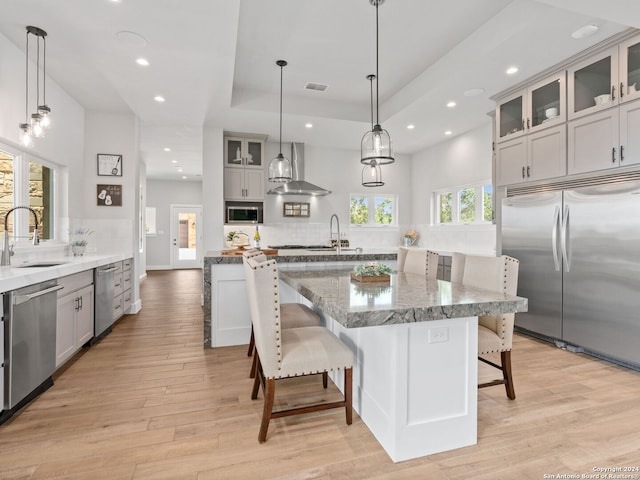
x: 244, y: 152
x: 609, y: 78
x: 540, y: 106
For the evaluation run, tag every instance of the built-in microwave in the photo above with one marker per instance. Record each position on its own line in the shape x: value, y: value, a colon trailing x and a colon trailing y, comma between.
x: 244, y: 212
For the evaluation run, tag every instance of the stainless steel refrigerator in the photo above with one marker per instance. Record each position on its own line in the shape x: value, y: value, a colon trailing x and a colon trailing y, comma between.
x: 579, y: 252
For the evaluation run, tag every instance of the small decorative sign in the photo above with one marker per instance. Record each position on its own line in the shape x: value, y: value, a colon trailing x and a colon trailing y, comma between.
x: 109, y: 165
x: 296, y: 209
x: 109, y: 195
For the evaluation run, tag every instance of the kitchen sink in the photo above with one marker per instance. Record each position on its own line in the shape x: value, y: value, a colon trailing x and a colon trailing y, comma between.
x: 40, y: 264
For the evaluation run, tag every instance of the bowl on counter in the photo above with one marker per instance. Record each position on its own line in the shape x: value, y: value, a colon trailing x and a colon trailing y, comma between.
x: 551, y: 112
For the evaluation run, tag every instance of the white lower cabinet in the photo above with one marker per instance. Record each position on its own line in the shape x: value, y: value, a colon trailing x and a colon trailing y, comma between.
x: 122, y: 281
x: 74, y: 325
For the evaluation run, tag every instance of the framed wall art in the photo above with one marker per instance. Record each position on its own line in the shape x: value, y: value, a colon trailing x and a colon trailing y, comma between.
x: 109, y: 195
x: 109, y: 165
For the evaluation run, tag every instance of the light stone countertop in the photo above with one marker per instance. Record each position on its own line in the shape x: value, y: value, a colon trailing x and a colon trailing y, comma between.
x: 14, y: 276
x: 306, y: 255
x: 407, y: 298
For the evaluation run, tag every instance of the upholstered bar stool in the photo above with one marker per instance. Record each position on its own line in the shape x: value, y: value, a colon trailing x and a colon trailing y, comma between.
x: 290, y: 352
x: 293, y: 315
x: 418, y: 260
x: 495, y: 332
x: 457, y: 266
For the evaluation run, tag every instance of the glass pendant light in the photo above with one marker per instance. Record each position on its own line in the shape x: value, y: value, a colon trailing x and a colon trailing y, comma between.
x: 372, y: 173
x: 280, y: 167
x: 376, y: 147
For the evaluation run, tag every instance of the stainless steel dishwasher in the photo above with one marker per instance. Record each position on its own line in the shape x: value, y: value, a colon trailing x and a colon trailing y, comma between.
x: 30, y: 342
x: 103, y: 305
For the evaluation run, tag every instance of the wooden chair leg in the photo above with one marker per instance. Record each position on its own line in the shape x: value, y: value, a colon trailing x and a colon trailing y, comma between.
x: 325, y: 379
x: 269, y: 395
x: 252, y: 343
x: 254, y: 365
x: 506, y: 373
x: 256, y: 381
x: 348, y: 374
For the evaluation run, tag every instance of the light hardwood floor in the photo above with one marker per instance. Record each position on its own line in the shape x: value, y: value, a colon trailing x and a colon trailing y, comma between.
x: 148, y: 402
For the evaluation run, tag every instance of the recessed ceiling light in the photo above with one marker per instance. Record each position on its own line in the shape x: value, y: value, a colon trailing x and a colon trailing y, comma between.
x: 116, y: 1
x: 174, y: 161
x: 411, y: 126
x: 131, y: 38
x: 184, y: 177
x: 474, y: 92
x: 143, y: 62
x: 448, y: 132
x: 585, y: 31
x: 451, y: 104
x: 166, y: 149
x: 180, y: 170
x: 308, y: 125
x: 512, y: 70
x: 159, y: 98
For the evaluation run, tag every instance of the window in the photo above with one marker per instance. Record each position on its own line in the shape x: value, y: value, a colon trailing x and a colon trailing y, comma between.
x: 373, y: 209
x: 29, y: 183
x: 470, y: 204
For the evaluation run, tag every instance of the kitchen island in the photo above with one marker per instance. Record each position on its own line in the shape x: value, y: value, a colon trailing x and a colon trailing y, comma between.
x: 226, y: 316
x: 415, y: 345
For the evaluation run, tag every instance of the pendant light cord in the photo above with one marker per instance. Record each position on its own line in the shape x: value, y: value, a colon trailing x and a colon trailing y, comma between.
x: 371, y: 77
x: 377, y: 74
x: 26, y: 83
x: 37, y: 73
x: 44, y: 71
x: 281, y: 68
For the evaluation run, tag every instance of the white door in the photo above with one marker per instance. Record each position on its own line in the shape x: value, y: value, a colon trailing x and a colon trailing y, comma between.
x: 186, y: 236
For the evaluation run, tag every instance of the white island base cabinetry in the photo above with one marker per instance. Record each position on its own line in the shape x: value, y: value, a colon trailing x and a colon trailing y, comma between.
x: 416, y: 392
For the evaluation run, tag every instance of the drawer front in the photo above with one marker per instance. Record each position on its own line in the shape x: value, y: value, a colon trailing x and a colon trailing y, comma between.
x: 117, y: 307
x: 74, y: 282
x: 126, y: 264
x: 117, y: 284
x: 126, y: 307
x: 126, y: 280
x: 118, y: 266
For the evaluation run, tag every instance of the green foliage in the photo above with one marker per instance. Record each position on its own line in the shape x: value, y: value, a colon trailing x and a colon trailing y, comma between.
x: 445, y: 208
x: 384, y: 212
x: 487, y: 206
x: 359, y: 210
x: 468, y: 205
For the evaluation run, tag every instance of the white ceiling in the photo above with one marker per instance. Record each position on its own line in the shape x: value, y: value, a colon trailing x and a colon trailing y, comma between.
x: 214, y: 62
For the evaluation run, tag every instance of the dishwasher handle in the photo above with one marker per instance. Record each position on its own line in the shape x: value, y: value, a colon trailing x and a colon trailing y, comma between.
x: 18, y: 299
x: 107, y: 270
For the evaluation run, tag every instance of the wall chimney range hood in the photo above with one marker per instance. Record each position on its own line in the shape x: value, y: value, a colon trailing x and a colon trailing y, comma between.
x: 298, y: 186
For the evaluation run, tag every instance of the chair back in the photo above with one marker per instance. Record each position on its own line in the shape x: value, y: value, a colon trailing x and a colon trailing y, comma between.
x: 498, y: 274
x: 419, y: 261
x: 264, y: 304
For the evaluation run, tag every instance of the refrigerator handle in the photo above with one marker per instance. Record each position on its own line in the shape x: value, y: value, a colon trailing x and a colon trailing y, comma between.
x: 565, y: 240
x: 554, y: 238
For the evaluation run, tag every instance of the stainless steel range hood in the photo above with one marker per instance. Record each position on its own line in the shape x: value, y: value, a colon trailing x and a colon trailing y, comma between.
x: 298, y: 186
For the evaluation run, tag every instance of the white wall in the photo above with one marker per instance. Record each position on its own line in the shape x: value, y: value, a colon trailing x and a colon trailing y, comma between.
x: 212, y: 189
x: 161, y: 194
x: 63, y: 144
x: 463, y: 160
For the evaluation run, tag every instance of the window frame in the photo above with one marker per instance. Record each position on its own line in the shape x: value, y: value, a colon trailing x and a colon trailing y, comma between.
x: 371, y: 212
x: 21, y: 194
x: 455, y: 204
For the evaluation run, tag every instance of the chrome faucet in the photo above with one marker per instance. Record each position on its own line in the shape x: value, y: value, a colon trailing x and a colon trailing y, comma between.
x: 331, y: 231
x: 7, y: 250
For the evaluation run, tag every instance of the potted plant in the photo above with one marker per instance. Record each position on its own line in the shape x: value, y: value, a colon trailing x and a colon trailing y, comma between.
x: 78, y: 239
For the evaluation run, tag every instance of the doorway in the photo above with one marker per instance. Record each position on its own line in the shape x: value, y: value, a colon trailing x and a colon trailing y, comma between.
x: 186, y: 236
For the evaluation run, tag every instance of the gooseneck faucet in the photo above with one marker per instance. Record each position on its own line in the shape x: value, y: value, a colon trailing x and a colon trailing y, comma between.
x: 331, y: 231
x: 7, y: 251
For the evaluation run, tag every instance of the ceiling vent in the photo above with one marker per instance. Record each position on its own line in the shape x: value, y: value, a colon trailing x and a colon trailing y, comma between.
x: 315, y: 86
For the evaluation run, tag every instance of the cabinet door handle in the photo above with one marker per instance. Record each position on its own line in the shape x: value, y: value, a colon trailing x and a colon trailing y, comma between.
x: 528, y: 171
x: 80, y: 302
x: 76, y: 307
x: 622, y: 153
x: 613, y: 155
x: 523, y: 124
x: 621, y: 89
x: 528, y: 124
x: 613, y: 92
x: 522, y: 172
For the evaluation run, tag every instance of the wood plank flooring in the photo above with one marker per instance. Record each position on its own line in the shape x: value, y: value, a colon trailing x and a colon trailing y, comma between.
x: 147, y: 402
